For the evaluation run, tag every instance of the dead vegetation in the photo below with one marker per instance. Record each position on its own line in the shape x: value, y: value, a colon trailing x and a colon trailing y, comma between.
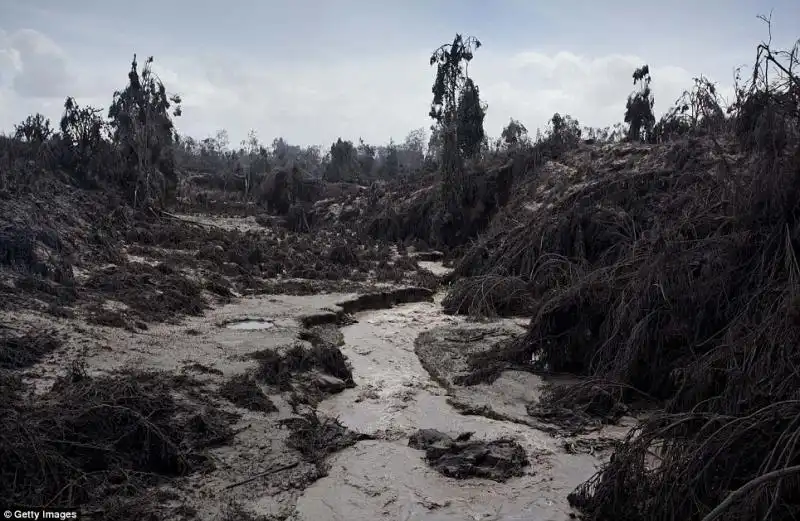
x: 21, y: 350
x: 315, y: 437
x: 670, y: 271
x: 309, y: 372
x: 460, y: 458
x: 71, y: 242
x: 667, y: 271
x: 489, y: 296
x: 583, y: 407
x: 411, y: 213
x: 92, y: 439
x: 161, y: 267
x: 244, y: 392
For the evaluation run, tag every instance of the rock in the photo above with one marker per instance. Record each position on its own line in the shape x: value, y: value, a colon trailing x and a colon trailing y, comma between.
x: 329, y: 384
x: 497, y: 460
x: 424, y: 438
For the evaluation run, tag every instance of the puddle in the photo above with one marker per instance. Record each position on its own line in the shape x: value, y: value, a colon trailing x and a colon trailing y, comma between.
x: 251, y: 324
x: 394, y: 396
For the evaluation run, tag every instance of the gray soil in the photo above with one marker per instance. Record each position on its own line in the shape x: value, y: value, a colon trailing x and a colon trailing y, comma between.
x: 395, y: 397
x: 505, y: 468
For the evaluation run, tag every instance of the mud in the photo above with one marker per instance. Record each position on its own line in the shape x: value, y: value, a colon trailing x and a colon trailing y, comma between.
x: 219, y: 361
x: 277, y: 448
x: 395, y: 397
x: 323, y: 394
x: 429, y: 256
x: 445, y: 352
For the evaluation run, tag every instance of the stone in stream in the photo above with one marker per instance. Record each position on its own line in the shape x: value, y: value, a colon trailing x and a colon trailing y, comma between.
x: 460, y: 458
x: 329, y: 384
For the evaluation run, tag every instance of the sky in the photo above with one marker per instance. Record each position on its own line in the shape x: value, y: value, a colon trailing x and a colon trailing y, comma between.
x: 313, y: 71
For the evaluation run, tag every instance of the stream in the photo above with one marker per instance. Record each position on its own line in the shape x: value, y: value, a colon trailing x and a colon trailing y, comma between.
x: 394, y: 397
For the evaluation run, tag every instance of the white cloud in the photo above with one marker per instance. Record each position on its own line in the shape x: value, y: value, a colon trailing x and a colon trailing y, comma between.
x: 9, y: 60
x: 316, y: 102
x: 40, y: 65
x: 533, y: 86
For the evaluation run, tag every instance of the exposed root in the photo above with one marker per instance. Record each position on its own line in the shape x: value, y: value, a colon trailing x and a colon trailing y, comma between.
x: 581, y: 408
x: 489, y: 296
x: 316, y: 437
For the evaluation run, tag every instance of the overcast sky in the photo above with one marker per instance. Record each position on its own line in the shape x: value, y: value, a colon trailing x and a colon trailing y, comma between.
x: 312, y: 71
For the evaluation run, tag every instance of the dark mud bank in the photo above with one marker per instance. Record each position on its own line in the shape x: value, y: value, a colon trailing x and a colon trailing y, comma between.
x: 367, y: 302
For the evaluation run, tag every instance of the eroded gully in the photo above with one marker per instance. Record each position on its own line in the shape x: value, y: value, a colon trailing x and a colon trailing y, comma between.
x: 394, y: 397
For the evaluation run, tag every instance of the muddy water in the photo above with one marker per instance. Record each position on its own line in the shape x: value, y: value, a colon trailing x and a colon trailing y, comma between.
x: 395, y: 396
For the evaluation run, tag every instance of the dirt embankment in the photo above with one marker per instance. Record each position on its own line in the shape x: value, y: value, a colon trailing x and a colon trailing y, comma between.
x: 409, y: 212
x: 665, y: 274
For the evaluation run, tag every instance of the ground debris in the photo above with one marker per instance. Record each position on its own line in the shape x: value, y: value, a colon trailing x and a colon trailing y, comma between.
x: 242, y: 391
x: 21, y: 350
x: 579, y: 408
x: 316, y: 436
x: 589, y: 445
x: 92, y: 438
x: 306, y: 371
x: 498, y: 460
x: 489, y: 296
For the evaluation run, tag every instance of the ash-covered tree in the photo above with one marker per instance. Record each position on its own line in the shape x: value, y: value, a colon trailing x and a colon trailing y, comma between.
x: 143, y: 130
x: 391, y: 161
x: 416, y: 141
x: 412, y: 151
x: 366, y: 159
x: 695, y: 110
x: 253, y: 159
x: 213, y: 154
x: 471, y: 114
x: 35, y: 129
x: 435, y: 146
x: 514, y: 135
x: 307, y: 159
x: 452, y: 74
x: 564, y: 132
x: 639, y: 109
x: 82, y: 134
x: 343, y: 165
x: 281, y: 151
